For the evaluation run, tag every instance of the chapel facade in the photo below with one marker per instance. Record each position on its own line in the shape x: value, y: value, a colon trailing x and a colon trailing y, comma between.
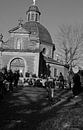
x: 22, y: 49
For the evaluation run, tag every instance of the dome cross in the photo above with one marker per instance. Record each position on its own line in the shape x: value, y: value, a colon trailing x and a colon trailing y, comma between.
x: 34, y: 1
x: 20, y: 21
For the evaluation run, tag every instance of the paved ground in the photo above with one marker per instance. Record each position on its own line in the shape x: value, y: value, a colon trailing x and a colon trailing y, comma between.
x: 28, y: 108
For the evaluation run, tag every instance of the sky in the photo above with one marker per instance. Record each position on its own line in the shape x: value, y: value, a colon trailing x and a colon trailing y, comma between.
x: 54, y: 13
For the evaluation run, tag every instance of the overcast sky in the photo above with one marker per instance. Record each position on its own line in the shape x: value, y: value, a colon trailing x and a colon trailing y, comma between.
x: 53, y: 13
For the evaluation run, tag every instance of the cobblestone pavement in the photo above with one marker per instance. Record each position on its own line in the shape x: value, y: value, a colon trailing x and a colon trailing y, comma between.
x: 26, y: 108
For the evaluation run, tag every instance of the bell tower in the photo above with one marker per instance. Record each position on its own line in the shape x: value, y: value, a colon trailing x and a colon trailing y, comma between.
x: 33, y: 13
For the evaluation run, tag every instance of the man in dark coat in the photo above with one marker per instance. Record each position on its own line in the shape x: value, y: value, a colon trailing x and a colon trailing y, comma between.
x: 1, y: 84
x: 16, y: 77
x: 61, y: 80
x: 10, y: 79
x: 76, y: 84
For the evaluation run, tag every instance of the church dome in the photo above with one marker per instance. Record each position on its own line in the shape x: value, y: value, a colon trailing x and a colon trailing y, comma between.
x: 35, y: 28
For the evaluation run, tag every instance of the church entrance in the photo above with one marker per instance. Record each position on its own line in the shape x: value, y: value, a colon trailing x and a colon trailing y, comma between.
x: 18, y: 64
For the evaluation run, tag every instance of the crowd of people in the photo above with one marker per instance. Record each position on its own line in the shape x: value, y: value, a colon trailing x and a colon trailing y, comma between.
x: 45, y: 82
x: 74, y: 82
x: 8, y: 80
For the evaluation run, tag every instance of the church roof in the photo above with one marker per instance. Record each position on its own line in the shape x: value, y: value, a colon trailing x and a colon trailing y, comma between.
x: 35, y: 28
x: 52, y: 61
x: 44, y: 35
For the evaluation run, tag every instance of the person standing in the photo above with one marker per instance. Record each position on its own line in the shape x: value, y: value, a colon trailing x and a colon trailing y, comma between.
x: 1, y: 84
x: 76, y: 84
x: 70, y: 79
x: 16, y: 78
x: 61, y: 81
x: 10, y: 79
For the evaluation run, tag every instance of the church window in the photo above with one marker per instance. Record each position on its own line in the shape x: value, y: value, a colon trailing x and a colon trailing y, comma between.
x: 47, y: 52
x: 18, y: 43
x: 32, y: 16
x: 37, y: 17
x: 29, y: 17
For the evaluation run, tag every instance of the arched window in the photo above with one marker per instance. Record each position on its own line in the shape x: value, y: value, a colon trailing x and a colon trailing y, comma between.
x: 32, y: 16
x: 18, y: 44
x: 37, y: 17
x: 29, y: 17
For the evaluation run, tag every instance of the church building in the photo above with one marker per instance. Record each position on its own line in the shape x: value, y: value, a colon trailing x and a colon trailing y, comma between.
x: 22, y: 49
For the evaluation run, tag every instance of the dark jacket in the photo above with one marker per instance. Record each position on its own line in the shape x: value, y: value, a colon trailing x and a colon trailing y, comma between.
x: 77, y: 84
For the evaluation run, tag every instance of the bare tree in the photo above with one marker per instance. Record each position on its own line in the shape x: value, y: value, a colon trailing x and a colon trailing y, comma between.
x: 70, y: 41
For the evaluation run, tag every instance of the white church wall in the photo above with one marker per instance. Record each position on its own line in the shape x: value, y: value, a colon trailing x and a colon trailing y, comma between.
x: 57, y: 69
x: 31, y: 60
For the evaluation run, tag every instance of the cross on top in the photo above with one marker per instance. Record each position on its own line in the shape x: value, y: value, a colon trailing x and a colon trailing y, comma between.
x: 34, y: 1
x: 20, y: 21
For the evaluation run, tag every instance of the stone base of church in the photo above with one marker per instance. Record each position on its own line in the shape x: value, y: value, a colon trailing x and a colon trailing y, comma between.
x: 22, y: 61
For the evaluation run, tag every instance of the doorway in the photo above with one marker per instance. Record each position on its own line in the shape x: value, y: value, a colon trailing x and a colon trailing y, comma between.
x: 18, y: 64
